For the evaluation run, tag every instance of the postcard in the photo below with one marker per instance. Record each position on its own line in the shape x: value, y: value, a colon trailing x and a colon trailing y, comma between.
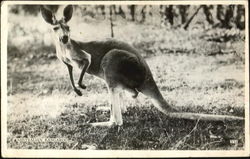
x: 124, y: 79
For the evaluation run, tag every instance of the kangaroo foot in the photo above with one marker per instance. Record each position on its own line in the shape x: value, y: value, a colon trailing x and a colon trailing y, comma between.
x: 82, y: 86
x: 78, y: 92
x: 103, y: 124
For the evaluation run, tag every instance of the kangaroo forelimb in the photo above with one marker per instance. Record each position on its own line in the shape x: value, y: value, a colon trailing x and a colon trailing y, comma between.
x: 85, y: 67
x: 70, y: 69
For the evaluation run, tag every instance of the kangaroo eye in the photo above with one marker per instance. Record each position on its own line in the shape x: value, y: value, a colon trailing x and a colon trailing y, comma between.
x: 55, y: 28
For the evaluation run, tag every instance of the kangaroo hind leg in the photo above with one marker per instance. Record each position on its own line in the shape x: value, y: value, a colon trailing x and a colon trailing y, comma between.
x: 122, y: 102
x: 121, y: 70
x: 115, y: 109
x: 116, y: 104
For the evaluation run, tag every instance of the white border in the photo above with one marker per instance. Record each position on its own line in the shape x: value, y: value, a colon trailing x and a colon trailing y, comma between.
x: 114, y: 153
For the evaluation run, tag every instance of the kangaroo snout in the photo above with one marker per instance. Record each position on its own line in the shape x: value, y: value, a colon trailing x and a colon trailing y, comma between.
x: 64, y: 39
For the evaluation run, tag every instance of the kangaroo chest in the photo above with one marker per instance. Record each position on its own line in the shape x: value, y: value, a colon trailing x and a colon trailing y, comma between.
x: 74, y: 57
x: 64, y: 54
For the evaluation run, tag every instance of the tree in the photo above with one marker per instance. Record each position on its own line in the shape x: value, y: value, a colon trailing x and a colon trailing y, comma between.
x: 132, y: 12
x: 183, y: 10
x: 169, y: 14
x: 240, y: 17
x: 143, y: 13
x: 207, y: 11
x: 228, y: 21
x: 111, y: 20
x: 121, y: 12
x: 191, y: 18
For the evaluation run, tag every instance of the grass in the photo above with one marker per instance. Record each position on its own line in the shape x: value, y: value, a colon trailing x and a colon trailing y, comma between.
x: 42, y: 105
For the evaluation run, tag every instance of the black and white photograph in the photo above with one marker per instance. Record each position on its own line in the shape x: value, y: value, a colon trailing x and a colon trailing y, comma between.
x: 109, y: 78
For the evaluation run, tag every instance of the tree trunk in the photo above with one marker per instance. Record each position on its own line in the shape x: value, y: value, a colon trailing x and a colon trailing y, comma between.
x: 208, y: 14
x: 111, y: 20
x: 169, y: 15
x: 121, y: 12
x: 240, y: 17
x: 228, y: 17
x: 143, y: 13
x: 103, y: 10
x: 183, y: 13
x: 191, y: 18
x: 132, y: 12
x: 220, y: 15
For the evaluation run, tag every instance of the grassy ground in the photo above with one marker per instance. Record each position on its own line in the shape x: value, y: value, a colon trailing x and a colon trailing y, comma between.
x: 42, y: 105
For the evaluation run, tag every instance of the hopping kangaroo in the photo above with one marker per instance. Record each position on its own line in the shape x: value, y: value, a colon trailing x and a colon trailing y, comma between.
x: 118, y: 63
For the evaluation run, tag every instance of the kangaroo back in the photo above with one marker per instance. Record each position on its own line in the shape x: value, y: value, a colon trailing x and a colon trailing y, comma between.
x: 98, y: 49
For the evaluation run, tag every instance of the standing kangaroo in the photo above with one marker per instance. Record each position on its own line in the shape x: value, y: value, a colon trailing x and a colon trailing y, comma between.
x: 119, y: 64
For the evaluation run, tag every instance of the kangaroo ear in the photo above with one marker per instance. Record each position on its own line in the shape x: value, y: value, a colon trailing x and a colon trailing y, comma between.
x: 67, y: 13
x: 47, y: 15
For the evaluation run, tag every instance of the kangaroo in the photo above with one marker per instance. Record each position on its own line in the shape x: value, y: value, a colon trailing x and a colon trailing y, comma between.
x: 120, y: 65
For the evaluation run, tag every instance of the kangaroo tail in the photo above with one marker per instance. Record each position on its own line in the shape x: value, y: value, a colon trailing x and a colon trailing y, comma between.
x: 150, y: 89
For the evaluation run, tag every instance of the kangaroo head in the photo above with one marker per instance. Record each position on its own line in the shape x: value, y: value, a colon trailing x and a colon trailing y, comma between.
x: 60, y: 27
